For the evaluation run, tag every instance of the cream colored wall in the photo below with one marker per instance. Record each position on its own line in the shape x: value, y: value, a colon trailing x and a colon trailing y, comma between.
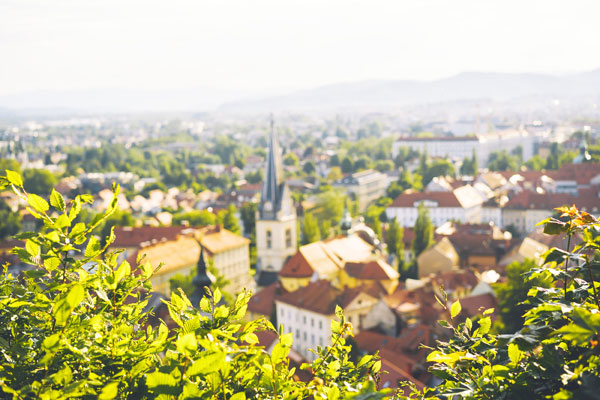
x: 293, y: 284
x: 160, y: 281
x: 273, y: 258
x: 234, y: 266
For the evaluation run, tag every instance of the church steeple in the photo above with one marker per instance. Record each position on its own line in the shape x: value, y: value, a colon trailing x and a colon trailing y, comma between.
x: 202, y: 279
x: 271, y: 194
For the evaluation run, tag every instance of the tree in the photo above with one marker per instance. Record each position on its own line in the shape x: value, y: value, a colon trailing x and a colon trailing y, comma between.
x: 384, y: 165
x: 423, y: 231
x: 228, y: 219
x: 362, y: 163
x: 512, y: 293
x: 310, y: 229
x: 469, y: 166
x: 254, y: 177
x: 335, y: 173
x: 248, y: 215
x: 502, y: 161
x: 438, y: 168
x: 309, y: 168
x: 347, y: 165
x: 195, y: 218
x: 291, y: 159
x: 68, y: 333
x: 10, y: 222
x: 394, y: 239
x: 535, y: 163
x: 39, y: 181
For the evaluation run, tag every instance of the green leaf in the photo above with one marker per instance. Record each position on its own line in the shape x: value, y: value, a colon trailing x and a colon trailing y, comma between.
x: 576, y: 333
x: 238, y: 396
x: 75, y: 296
x: 75, y: 208
x: 455, y: 309
x: 51, y: 263
x: 32, y: 248
x: 217, y: 296
x: 205, y: 305
x: 65, y: 305
x: 93, y: 247
x: 187, y: 343
x: 14, y: 178
x: 51, y: 343
x: 279, y: 353
x: 485, y: 324
x: 208, y: 363
x: 109, y: 391
x: 555, y: 227
x: 514, y: 353
x: 57, y: 201
x: 123, y: 271
x: 37, y: 203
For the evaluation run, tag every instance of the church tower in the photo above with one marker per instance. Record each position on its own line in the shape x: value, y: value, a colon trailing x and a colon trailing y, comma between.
x: 276, y: 215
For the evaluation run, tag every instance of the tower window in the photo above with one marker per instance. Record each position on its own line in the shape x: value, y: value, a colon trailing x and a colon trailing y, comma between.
x: 288, y: 237
x: 269, y: 237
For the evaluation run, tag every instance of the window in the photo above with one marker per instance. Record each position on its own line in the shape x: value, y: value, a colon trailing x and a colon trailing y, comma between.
x: 304, y: 335
x: 269, y: 237
x: 288, y: 237
x: 304, y: 319
x: 282, y: 312
x: 312, y: 322
x: 312, y: 339
x: 320, y: 324
x: 298, y: 333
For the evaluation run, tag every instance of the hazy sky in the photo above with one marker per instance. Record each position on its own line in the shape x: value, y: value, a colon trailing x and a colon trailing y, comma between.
x: 279, y: 45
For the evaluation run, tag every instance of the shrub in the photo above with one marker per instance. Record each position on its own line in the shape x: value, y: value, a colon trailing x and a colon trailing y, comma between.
x: 75, y: 326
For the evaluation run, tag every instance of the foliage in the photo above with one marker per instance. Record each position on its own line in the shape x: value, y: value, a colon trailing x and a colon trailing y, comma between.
x: 394, y: 240
x: 438, y: 168
x: 195, y: 218
x: 10, y: 222
x: 291, y: 159
x: 309, y: 167
x: 329, y: 208
x: 512, y: 294
x: 68, y: 331
x: 116, y: 218
x: 228, y: 219
x: 405, y: 181
x: 423, y: 231
x: 556, y: 353
x: 502, y: 161
x: 248, y: 216
x: 39, y: 180
x: 310, y: 229
x: 469, y: 166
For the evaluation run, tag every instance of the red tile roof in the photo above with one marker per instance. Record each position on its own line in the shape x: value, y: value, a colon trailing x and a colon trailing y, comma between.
x: 370, y: 270
x: 580, y: 173
x: 127, y: 236
x: 474, y: 305
x: 296, y: 267
x: 263, y: 302
x: 444, y: 199
x: 321, y: 297
x: 539, y: 201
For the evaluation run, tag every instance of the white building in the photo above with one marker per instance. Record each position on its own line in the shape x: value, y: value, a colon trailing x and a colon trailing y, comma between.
x: 307, y: 313
x: 366, y: 186
x: 462, y: 204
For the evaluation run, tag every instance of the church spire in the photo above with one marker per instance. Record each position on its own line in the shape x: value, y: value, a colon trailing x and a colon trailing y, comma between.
x: 270, y: 199
x: 202, y: 279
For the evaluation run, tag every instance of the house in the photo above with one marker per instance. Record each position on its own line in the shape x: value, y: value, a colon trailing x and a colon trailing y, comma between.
x: 441, y: 257
x: 527, y: 208
x: 345, y: 261
x: 307, y: 313
x: 366, y: 186
x: 230, y: 254
x: 131, y: 239
x: 462, y: 204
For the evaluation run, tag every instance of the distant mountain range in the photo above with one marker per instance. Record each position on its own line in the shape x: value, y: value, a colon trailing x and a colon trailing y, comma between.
x: 464, y: 86
x: 365, y: 95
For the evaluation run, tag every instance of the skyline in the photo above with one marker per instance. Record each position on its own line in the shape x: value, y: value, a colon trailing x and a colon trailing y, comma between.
x: 269, y: 47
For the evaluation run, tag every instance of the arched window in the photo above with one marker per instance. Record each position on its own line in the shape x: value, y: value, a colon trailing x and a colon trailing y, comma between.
x: 288, y: 237
x: 269, y: 237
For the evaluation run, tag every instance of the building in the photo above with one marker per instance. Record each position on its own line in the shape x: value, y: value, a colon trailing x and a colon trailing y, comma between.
x: 526, y: 209
x: 439, y: 258
x: 275, y: 218
x: 345, y: 261
x: 462, y: 204
x: 307, y: 313
x: 366, y: 186
x: 230, y: 255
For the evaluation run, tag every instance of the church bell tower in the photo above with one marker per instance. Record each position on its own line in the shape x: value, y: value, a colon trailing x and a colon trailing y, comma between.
x: 276, y: 215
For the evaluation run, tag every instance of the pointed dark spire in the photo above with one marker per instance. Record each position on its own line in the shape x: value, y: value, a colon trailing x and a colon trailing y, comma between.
x: 270, y: 198
x: 202, y: 279
x: 346, y: 222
